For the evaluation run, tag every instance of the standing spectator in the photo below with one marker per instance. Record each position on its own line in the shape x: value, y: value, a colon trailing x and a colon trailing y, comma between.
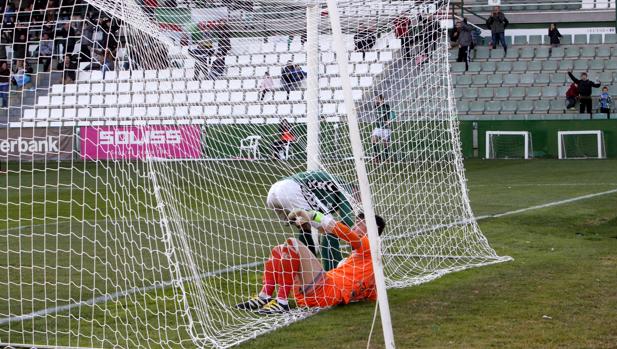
x: 571, y: 96
x: 382, y: 131
x: 224, y: 38
x: 266, y: 85
x: 202, y: 56
x: 20, y: 43
x: 401, y: 31
x: 364, y: 39
x: 464, y: 41
x: 108, y: 62
x: 217, y: 68
x: 46, y: 47
x: 554, y: 35
x: 605, y: 102
x: 584, y: 92
x: 5, y: 76
x: 288, y: 77
x: 69, y: 69
x: 498, y: 22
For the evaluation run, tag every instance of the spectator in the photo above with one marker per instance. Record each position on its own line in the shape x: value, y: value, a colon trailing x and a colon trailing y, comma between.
x: 382, y: 131
x: 23, y: 75
x: 286, y: 137
x: 498, y: 22
x: 107, y: 62
x: 401, y: 31
x: 202, y: 56
x: 584, y: 92
x: 20, y: 43
x: 288, y: 77
x: 69, y: 67
x: 267, y: 85
x: 224, y: 38
x: 429, y: 31
x: 5, y: 75
x: 67, y: 37
x: 217, y: 68
x: 464, y: 41
x: 364, y: 39
x: 299, y: 76
x: 46, y: 47
x: 572, y: 96
x: 554, y: 35
x: 605, y: 102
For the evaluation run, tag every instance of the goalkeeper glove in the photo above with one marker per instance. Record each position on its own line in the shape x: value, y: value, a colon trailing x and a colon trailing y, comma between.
x: 300, y: 217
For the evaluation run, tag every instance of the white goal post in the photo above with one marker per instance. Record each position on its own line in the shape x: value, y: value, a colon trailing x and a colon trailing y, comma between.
x: 491, y: 144
x: 584, y: 144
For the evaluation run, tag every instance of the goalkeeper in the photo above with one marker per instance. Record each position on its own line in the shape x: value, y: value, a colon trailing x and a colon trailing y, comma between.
x: 313, y: 190
x: 292, y: 267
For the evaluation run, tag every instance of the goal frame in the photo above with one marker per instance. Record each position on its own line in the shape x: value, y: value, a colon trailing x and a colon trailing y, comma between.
x: 599, y: 142
x: 526, y: 135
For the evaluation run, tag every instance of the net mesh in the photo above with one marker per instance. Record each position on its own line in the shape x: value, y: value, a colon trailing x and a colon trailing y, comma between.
x: 142, y: 141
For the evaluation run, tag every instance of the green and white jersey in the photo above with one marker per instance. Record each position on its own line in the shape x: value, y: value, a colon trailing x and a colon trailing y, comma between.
x: 326, y: 193
x: 384, y: 116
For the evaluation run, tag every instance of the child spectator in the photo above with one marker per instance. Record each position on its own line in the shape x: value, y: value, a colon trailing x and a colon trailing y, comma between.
x: 22, y: 76
x: 571, y: 96
x: 554, y: 35
x: 267, y: 85
x: 605, y: 102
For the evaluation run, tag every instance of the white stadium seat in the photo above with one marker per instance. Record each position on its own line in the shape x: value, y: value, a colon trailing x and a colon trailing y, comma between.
x: 247, y: 72
x: 97, y: 113
x: 235, y: 84
x: 110, y: 87
x: 208, y: 84
x: 299, y: 109
x: 168, y: 111
x: 257, y: 59
x: 195, y: 110
x: 196, y: 97
x: 138, y: 86
x: 385, y: 56
x: 126, y: 99
x: 280, y: 96
x: 56, y: 113
x: 58, y: 88
x: 97, y: 100
x: 370, y: 56
x: 244, y: 60
x: 361, y: 69
x: 295, y: 95
x: 165, y: 98
x: 239, y: 110
x: 111, y: 112
x: 150, y: 74
x: 224, y: 110
x: 152, y: 98
x: 254, y: 109
x: 177, y: 73
x: 164, y: 74
x: 56, y: 100
x: 355, y: 57
x: 71, y: 88
x: 42, y: 113
x: 281, y: 47
x: 236, y: 97
x: 83, y: 100
x: 69, y: 113
x: 179, y: 85
x: 325, y: 95
x: 153, y: 112
x: 182, y: 111
x: 29, y: 113
x: 222, y: 97
x: 210, y: 110
x: 284, y: 109
x: 220, y: 84
x: 192, y: 85
x: 139, y: 98
x: 271, y: 59
x: 125, y: 112
x: 249, y: 83
x: 111, y: 99
x: 251, y: 96
x: 366, y: 81
x: 165, y: 86
x: 328, y: 108
x: 269, y: 109
x: 140, y: 112
x: 179, y: 97
x: 376, y: 68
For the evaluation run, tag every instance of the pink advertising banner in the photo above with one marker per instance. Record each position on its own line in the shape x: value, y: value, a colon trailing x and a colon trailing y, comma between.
x: 137, y: 142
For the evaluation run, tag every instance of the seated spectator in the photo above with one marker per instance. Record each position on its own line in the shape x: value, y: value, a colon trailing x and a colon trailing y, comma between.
x: 107, y: 62
x: 572, y: 96
x: 554, y: 35
x: 584, y: 92
x: 69, y: 68
x: 217, y: 67
x: 286, y: 137
x: 67, y: 37
x: 299, y: 76
x: 45, y: 51
x: 266, y: 85
x: 202, y: 55
x: 23, y: 75
x: 364, y: 39
x: 605, y: 102
x: 5, y: 75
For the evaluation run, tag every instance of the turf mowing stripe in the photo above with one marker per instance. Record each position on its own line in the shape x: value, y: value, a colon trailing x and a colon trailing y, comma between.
x: 550, y: 204
x: 116, y: 295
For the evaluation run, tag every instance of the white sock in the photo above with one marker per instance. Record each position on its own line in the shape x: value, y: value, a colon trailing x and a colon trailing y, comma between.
x: 282, y: 301
x: 263, y: 296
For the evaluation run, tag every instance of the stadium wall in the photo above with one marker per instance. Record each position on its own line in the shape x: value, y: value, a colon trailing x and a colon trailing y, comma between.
x: 543, y: 134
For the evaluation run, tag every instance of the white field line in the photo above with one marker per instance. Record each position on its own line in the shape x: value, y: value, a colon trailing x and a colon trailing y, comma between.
x: 120, y: 294
x: 550, y: 204
x: 165, y: 284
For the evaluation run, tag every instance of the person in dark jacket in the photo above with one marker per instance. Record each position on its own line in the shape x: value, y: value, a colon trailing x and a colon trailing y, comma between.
x: 462, y: 35
x: 498, y: 22
x: 554, y: 35
x: 5, y: 76
x: 217, y: 68
x: 202, y: 56
x: 364, y: 39
x: 288, y: 77
x: 584, y: 91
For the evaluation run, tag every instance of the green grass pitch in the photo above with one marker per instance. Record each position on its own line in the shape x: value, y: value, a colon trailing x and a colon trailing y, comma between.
x: 559, y: 292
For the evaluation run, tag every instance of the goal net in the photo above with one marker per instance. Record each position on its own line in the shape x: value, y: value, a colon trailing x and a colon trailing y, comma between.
x: 142, y: 140
x: 508, y: 145
x: 581, y: 144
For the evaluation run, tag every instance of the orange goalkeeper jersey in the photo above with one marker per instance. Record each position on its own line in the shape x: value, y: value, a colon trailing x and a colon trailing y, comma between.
x: 352, y: 281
